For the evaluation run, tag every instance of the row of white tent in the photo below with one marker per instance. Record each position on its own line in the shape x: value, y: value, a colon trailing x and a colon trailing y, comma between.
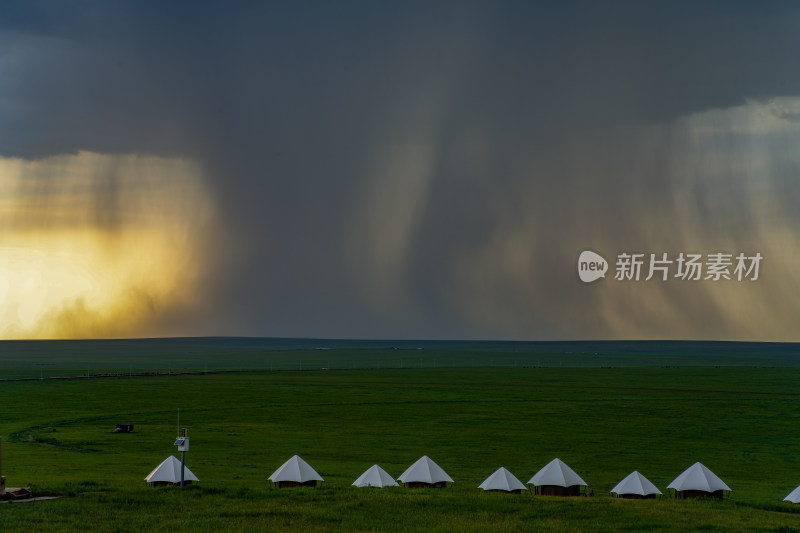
x: 425, y: 471
x: 556, y: 473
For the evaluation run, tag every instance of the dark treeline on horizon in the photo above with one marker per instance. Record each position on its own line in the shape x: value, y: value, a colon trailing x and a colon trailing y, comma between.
x: 210, y: 345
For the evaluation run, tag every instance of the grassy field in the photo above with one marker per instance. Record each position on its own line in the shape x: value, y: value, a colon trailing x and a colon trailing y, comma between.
x: 740, y: 421
x: 46, y: 359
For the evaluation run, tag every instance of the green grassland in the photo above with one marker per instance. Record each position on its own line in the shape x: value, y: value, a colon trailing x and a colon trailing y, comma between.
x: 741, y: 421
x: 47, y: 359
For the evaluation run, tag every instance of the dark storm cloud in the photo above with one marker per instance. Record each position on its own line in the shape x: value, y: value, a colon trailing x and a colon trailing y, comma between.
x: 418, y: 169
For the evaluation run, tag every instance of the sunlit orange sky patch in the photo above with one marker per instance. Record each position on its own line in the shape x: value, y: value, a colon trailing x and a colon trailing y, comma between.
x: 99, y: 245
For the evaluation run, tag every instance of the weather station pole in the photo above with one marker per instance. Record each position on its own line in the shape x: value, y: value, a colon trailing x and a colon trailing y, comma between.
x: 183, y: 460
x: 183, y: 446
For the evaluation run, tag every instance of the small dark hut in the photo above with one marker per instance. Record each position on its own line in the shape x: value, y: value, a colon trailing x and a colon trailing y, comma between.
x: 423, y: 485
x: 636, y: 496
x: 290, y: 484
x: 555, y: 490
x: 690, y: 494
x: 169, y: 483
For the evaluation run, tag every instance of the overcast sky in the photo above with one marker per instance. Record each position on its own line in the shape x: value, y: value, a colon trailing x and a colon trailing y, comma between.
x: 414, y: 169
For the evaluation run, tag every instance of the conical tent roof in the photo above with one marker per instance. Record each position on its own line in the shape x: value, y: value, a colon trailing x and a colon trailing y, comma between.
x: 169, y: 471
x: 636, y: 483
x: 375, y: 476
x: 424, y: 471
x: 295, y: 469
x: 557, y: 473
x: 698, y: 477
x: 793, y: 496
x: 502, y: 479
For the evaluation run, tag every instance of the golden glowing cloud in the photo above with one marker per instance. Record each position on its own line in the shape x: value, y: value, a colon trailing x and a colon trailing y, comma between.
x: 98, y: 245
x: 724, y: 180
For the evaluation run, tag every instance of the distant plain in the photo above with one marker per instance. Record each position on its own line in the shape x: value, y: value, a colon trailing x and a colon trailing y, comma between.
x: 604, y: 408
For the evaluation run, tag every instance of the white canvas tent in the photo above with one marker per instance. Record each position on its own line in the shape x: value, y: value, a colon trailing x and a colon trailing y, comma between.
x: 557, y: 479
x: 375, y: 476
x: 504, y: 480
x: 424, y: 473
x: 698, y: 481
x: 793, y: 496
x: 295, y: 472
x: 169, y: 473
x: 635, y: 485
